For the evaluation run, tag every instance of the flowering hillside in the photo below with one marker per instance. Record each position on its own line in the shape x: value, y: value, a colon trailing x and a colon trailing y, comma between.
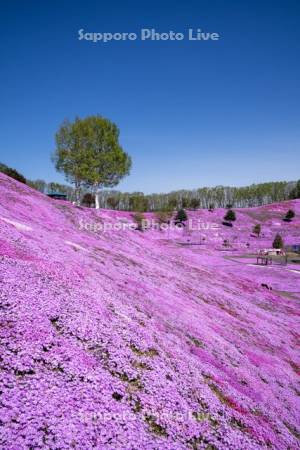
x: 137, y: 340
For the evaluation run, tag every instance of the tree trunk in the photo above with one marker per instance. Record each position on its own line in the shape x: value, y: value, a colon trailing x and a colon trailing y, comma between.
x: 77, y: 194
x: 97, y: 203
x: 96, y: 193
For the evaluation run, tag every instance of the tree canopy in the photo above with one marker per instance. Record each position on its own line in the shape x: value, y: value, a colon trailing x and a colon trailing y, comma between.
x: 89, y: 153
x: 181, y: 216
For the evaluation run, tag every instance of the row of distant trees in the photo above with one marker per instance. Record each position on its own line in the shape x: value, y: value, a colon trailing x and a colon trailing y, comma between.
x: 210, y: 198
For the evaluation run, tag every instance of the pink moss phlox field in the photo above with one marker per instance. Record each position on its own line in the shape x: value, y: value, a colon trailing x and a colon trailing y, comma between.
x: 132, y: 340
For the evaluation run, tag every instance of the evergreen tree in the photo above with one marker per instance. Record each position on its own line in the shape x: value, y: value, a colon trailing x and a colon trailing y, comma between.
x: 278, y: 241
x: 257, y: 229
x: 181, y: 216
x: 230, y: 216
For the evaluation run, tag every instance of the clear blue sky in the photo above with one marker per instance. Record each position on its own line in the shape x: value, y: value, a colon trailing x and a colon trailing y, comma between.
x: 190, y: 113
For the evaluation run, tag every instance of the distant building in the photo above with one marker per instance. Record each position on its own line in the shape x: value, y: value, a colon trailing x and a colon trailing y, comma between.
x: 58, y: 196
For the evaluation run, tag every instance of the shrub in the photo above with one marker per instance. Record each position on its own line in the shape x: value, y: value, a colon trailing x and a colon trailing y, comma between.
x: 278, y: 241
x: 230, y: 216
x: 163, y: 216
x: 140, y: 220
x: 289, y: 215
x: 180, y: 216
x: 211, y: 207
x: 13, y: 173
x: 257, y: 229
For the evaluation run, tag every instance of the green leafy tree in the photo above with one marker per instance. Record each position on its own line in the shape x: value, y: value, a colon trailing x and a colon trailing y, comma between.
x: 89, y: 153
x: 230, y: 216
x: 138, y: 202
x: 257, y: 229
x: 278, y: 241
x: 172, y: 204
x: 185, y: 202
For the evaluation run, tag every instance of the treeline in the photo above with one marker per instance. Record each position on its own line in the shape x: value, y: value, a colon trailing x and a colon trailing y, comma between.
x: 214, y: 197
x: 206, y: 197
